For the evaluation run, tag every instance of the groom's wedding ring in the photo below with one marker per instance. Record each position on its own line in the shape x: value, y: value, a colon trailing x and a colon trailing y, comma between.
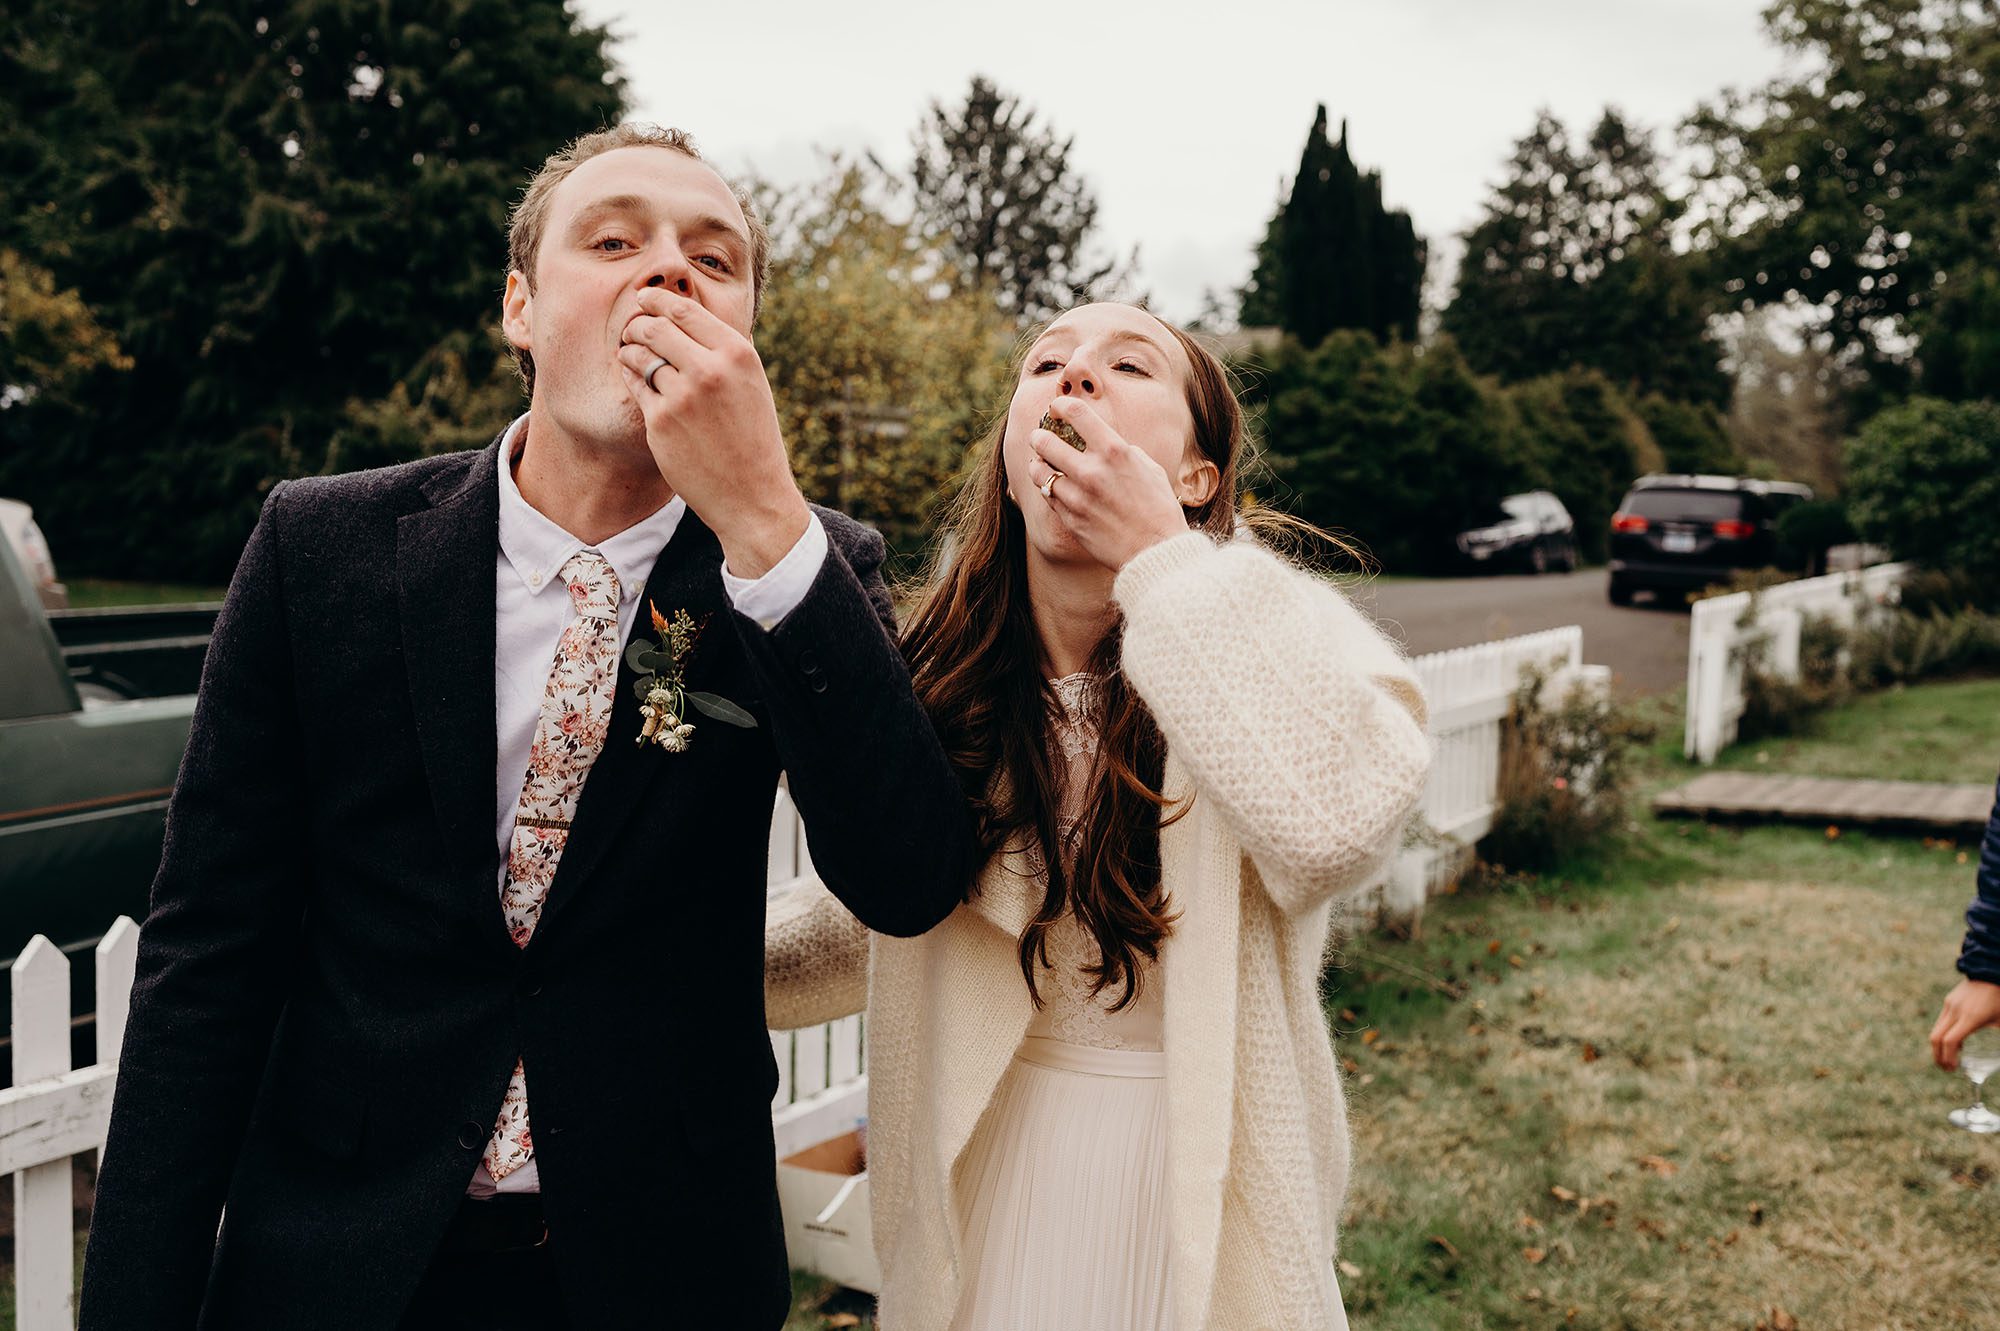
x: 1048, y: 487
x: 655, y: 368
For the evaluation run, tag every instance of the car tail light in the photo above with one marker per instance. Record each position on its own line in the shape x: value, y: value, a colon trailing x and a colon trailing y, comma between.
x: 1629, y: 523
x: 1734, y: 529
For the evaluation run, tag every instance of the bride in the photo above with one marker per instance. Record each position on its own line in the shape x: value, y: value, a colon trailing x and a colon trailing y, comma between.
x: 1102, y: 1093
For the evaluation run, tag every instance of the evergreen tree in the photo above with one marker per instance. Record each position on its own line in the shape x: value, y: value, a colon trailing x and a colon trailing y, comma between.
x: 286, y: 214
x: 995, y: 184
x: 1863, y: 184
x: 1333, y: 255
x: 1574, y: 265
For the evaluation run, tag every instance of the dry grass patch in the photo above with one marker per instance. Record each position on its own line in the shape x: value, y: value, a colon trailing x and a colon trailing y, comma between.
x: 1702, y: 1106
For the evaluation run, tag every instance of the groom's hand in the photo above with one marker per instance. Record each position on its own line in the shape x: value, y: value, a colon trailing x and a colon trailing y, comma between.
x: 713, y: 428
x: 1974, y: 1004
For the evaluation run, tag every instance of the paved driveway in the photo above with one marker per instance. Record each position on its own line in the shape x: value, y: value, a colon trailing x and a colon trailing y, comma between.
x: 1645, y: 645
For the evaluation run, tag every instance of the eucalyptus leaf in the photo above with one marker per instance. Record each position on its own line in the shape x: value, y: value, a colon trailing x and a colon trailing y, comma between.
x: 641, y: 687
x: 636, y: 652
x: 722, y: 709
x: 655, y: 661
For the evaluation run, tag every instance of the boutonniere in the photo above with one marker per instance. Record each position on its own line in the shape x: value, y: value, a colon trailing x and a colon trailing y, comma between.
x: 661, y: 688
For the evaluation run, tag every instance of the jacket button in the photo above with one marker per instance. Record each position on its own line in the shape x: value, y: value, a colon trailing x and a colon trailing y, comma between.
x: 471, y: 1136
x: 816, y: 681
x: 809, y: 663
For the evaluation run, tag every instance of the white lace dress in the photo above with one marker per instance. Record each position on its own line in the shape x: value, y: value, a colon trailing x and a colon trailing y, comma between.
x: 1061, y: 1193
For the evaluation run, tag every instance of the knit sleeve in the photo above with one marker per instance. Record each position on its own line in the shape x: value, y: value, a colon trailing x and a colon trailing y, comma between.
x: 815, y: 958
x: 1291, y: 711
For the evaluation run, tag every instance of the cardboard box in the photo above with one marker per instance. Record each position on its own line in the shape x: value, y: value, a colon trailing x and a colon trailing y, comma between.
x: 823, y: 1191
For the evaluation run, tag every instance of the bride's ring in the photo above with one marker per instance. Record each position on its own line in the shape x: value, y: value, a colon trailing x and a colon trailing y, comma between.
x: 654, y: 369
x: 1048, y: 487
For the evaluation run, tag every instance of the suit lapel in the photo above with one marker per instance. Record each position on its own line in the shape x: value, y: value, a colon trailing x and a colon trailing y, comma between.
x: 687, y: 576
x: 444, y: 574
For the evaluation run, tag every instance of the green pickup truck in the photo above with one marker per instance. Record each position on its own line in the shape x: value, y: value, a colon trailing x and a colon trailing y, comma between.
x: 94, y: 713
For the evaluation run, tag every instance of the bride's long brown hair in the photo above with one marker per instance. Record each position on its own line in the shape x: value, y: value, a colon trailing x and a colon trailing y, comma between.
x: 976, y: 662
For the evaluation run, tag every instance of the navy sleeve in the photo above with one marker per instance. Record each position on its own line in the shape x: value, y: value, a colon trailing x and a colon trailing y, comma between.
x: 1979, y: 959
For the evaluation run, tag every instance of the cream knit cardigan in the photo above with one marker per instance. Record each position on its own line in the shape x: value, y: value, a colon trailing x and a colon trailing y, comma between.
x: 1299, y: 731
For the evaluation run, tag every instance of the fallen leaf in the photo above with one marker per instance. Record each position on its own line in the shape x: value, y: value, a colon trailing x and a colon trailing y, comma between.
x: 1528, y: 1222
x: 1347, y: 1015
x: 1783, y: 1321
x: 1821, y: 1074
x: 1589, y: 1052
x: 1370, y: 1036
x: 1756, y: 1213
x: 843, y: 1319
x: 1654, y: 1164
x: 1833, y: 834
x: 1652, y: 1229
x: 1515, y: 961
x: 1562, y: 1194
x: 1350, y: 1270
x: 1731, y: 1237
x: 1493, y: 948
x: 1351, y: 1066
x: 1446, y: 1244
x: 1535, y: 1256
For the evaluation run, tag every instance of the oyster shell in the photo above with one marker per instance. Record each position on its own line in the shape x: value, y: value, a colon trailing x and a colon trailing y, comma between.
x: 1062, y: 430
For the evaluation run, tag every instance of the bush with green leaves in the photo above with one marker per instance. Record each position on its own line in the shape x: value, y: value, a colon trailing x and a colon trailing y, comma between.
x: 1923, y: 478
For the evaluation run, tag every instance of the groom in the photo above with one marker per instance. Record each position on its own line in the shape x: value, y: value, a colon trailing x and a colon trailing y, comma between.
x: 450, y: 1005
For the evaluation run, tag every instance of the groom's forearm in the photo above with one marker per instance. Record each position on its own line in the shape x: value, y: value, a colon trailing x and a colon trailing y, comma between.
x: 890, y: 830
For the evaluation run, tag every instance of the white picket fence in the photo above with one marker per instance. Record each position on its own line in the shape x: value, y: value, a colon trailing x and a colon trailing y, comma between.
x: 53, y: 1113
x: 1724, y: 630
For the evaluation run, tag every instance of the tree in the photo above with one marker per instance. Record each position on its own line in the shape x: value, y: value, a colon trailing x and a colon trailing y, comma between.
x: 884, y: 364
x: 1924, y: 480
x: 996, y: 186
x: 1334, y: 255
x: 1588, y: 444
x: 1574, y: 264
x: 1788, y: 416
x: 1862, y: 184
x: 282, y: 218
x: 1691, y: 435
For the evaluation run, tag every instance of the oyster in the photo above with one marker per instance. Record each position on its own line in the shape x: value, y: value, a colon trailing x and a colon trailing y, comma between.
x: 1062, y: 430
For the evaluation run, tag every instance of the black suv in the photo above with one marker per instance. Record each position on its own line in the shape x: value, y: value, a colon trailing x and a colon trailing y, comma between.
x: 1682, y: 533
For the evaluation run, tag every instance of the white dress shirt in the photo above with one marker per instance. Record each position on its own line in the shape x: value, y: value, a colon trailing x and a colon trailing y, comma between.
x: 532, y: 608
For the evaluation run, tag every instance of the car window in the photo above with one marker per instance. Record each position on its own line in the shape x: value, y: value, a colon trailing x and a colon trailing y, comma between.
x: 1685, y: 505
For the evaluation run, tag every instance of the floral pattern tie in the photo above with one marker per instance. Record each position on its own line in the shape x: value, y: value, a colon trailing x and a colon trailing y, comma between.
x: 576, y: 714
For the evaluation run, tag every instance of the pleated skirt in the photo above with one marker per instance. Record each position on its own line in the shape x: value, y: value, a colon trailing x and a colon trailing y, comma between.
x: 1063, y: 1196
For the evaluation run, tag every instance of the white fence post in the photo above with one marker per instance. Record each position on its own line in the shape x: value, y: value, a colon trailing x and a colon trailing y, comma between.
x: 44, y: 1235
x: 117, y: 961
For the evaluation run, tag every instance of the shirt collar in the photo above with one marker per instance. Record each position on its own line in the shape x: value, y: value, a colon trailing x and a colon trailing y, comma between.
x: 536, y: 548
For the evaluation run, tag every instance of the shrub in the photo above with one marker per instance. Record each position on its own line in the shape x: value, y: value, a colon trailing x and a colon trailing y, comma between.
x: 1923, y: 478
x: 1565, y: 772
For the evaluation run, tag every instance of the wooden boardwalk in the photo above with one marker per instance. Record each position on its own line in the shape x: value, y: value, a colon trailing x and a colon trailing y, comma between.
x: 1935, y: 808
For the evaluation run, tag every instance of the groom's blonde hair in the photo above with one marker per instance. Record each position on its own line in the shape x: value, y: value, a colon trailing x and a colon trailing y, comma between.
x: 531, y: 214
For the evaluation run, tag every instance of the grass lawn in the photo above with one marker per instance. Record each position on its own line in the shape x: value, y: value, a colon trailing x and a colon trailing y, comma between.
x: 1685, y: 1088
x: 1928, y: 732
x: 97, y: 593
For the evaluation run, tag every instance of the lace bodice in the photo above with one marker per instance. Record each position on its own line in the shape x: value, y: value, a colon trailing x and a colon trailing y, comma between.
x: 1069, y: 1012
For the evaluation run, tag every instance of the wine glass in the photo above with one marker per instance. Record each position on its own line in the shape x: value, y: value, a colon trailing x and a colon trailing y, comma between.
x: 1978, y: 1059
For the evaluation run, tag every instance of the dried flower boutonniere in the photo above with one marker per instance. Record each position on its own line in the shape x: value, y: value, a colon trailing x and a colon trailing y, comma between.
x: 664, y: 697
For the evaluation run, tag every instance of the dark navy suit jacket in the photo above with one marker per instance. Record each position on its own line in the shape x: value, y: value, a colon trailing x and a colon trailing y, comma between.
x: 328, y: 1004
x: 1980, y: 957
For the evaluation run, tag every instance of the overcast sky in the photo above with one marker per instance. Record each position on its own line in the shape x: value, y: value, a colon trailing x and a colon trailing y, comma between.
x: 1188, y: 117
